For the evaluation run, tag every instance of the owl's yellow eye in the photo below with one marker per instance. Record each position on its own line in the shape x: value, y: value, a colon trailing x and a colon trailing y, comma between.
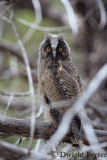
x: 48, y: 49
x: 60, y: 49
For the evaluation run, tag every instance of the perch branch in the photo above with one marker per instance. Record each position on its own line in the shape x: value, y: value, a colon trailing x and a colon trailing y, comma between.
x: 43, y: 130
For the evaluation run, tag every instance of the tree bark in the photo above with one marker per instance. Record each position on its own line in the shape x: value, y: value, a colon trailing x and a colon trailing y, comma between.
x: 43, y: 130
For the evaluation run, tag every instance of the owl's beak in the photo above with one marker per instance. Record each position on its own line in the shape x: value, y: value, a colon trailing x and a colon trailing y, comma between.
x: 54, y: 53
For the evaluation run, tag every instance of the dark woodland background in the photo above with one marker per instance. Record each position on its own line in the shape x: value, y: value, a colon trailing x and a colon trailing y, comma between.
x: 88, y: 50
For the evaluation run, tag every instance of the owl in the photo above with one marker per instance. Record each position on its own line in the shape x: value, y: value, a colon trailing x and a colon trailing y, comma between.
x: 58, y: 82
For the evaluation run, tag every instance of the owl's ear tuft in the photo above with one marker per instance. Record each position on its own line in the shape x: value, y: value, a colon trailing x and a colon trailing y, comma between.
x: 47, y: 35
x: 61, y: 36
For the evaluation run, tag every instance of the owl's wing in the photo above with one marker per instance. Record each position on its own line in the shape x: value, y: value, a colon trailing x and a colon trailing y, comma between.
x: 65, y: 93
x: 68, y: 81
x: 49, y: 87
x: 60, y: 89
x: 71, y: 69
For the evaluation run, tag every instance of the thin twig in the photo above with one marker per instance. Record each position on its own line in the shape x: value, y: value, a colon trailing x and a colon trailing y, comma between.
x: 103, y: 20
x: 16, y: 94
x: 71, y: 16
x: 8, y: 105
x: 31, y: 87
x: 37, y: 21
x: 41, y: 28
x: 13, y: 152
x: 5, y: 10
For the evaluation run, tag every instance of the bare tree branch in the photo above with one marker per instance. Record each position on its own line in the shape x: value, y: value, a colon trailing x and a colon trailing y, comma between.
x: 15, y: 52
x: 43, y: 130
x: 55, y: 13
x: 12, y: 126
x: 12, y: 152
x: 70, y: 13
x: 42, y: 28
x: 18, y: 104
x: 16, y: 94
x: 103, y: 20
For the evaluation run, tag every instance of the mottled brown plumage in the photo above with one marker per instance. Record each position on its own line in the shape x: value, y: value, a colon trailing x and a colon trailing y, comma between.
x: 59, y: 83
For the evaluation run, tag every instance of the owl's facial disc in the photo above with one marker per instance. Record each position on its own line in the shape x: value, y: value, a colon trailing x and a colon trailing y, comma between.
x: 54, y: 48
x: 54, y: 53
x: 54, y: 44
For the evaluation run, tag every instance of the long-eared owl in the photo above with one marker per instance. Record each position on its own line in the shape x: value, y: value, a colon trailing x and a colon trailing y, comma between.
x: 58, y: 81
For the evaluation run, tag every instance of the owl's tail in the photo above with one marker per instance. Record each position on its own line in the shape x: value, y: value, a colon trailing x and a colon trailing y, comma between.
x: 76, y: 139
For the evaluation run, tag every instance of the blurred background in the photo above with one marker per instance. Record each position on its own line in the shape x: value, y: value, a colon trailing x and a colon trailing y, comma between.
x: 88, y: 45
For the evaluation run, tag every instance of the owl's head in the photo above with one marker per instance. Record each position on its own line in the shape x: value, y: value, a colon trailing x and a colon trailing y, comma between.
x: 54, y: 47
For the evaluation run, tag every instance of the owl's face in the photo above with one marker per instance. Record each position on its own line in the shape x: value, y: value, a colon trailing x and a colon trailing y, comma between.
x: 54, y: 47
